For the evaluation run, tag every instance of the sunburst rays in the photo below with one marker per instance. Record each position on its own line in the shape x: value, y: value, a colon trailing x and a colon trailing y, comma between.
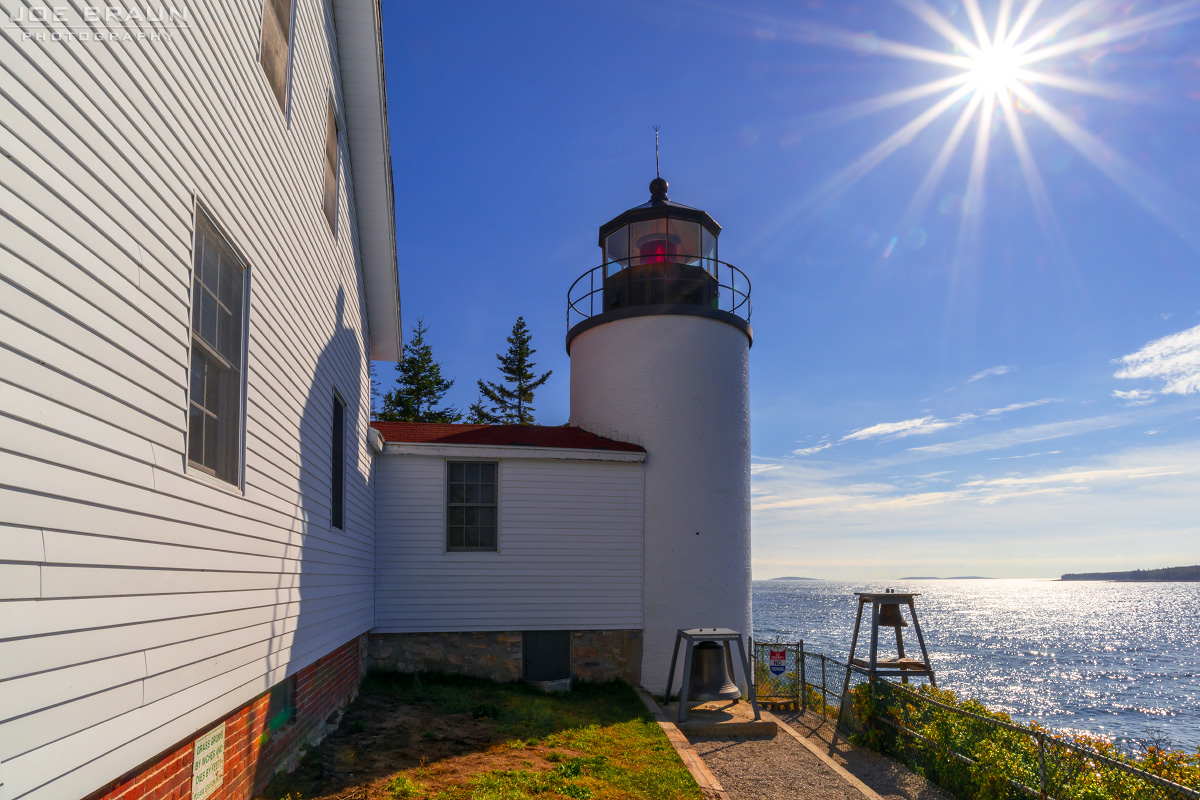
x: 999, y: 61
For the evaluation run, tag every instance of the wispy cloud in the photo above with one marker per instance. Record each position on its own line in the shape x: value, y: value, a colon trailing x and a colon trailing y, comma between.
x: 930, y: 424
x: 1026, y: 435
x: 1002, y: 369
x: 1174, y: 360
x: 1135, y: 397
x: 816, y: 448
x: 898, y: 430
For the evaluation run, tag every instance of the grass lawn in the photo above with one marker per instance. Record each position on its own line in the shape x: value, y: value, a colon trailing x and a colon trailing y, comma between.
x: 438, y: 737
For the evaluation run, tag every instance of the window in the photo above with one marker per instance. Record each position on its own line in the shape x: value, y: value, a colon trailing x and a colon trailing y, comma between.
x: 275, y: 48
x: 282, y: 708
x: 471, y: 505
x: 337, y: 460
x: 331, y: 167
x: 215, y: 394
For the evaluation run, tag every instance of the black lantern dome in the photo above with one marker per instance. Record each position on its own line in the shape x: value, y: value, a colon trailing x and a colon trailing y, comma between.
x: 659, y: 258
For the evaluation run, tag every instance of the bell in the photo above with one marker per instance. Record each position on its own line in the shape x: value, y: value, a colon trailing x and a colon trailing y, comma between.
x: 711, y: 670
x: 889, y: 616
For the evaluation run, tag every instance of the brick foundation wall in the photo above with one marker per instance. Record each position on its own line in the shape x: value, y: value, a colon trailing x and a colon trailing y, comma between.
x: 595, y: 655
x: 252, y: 754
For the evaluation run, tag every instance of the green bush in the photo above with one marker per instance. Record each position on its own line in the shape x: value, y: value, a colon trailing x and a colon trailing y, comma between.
x: 1000, y: 755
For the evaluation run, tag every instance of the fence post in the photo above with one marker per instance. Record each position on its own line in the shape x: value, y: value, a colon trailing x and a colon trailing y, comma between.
x: 1041, y: 740
x: 803, y: 687
x: 824, y: 696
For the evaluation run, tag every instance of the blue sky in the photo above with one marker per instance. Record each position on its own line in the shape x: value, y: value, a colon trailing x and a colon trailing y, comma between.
x: 976, y: 360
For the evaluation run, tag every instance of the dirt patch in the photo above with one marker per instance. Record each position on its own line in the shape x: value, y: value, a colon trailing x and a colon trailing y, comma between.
x: 381, y: 735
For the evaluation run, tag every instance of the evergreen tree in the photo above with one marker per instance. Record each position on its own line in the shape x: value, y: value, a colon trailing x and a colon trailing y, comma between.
x: 419, y: 385
x: 512, y: 399
x: 375, y: 396
x: 478, y: 414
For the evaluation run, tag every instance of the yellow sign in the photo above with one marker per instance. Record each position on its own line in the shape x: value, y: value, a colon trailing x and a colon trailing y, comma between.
x: 208, y: 763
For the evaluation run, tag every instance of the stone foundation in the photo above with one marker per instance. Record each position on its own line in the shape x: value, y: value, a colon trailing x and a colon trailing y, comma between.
x: 595, y: 655
x: 482, y: 654
x: 607, y: 656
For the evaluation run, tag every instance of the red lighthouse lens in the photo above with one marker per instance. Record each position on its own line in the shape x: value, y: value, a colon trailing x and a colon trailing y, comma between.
x: 656, y: 251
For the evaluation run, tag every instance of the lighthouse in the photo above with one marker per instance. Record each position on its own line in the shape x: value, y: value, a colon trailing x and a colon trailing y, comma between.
x: 659, y: 339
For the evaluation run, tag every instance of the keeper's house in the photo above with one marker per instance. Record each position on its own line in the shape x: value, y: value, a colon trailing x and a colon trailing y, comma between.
x: 197, y: 259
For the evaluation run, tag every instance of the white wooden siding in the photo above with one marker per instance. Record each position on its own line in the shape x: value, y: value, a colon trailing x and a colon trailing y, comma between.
x: 570, y: 549
x: 139, y: 602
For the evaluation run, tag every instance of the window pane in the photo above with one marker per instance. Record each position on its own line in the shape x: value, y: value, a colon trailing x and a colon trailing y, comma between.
x: 212, y: 386
x: 337, y: 458
x: 471, y: 515
x: 472, y: 472
x: 472, y: 493
x: 228, y: 268
x: 685, y: 238
x: 197, y: 379
x: 455, y: 536
x: 210, y: 443
x: 458, y: 493
x: 472, y: 537
x: 487, y: 536
x: 457, y: 516
x: 195, y: 434
x: 274, y: 50
x: 487, y: 493
x: 487, y: 517
x: 196, y: 303
x: 211, y: 267
x: 224, y: 333
x: 487, y: 473
x: 456, y: 471
x: 616, y: 247
x: 208, y: 318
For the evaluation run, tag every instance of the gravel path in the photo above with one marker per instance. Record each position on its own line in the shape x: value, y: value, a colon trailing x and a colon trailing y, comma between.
x: 783, y: 769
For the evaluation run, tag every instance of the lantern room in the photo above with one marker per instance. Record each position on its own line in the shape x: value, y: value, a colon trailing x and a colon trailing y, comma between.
x: 660, y: 252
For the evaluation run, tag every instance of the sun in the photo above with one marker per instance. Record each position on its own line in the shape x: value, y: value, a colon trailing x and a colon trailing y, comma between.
x: 994, y: 69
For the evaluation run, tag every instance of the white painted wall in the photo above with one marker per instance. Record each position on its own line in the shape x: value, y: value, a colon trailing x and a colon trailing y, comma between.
x: 678, y: 385
x: 139, y: 603
x: 570, y: 546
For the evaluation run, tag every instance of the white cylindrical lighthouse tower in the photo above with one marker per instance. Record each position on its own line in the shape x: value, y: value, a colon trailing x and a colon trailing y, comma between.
x: 659, y: 341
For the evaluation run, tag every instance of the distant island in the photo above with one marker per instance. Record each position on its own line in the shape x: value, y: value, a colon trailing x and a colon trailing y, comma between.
x: 792, y: 578
x: 951, y: 578
x: 1165, y: 574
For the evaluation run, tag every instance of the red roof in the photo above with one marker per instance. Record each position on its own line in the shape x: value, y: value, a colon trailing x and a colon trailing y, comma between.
x: 510, y: 435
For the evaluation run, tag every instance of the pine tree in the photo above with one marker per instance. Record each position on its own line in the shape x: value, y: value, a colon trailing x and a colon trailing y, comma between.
x: 420, y: 386
x: 512, y: 398
x: 376, y: 399
x: 478, y: 414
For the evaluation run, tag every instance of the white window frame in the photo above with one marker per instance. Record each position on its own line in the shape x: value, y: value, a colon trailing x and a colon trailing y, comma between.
x: 332, y: 216
x: 469, y: 552
x: 191, y: 468
x: 289, y: 35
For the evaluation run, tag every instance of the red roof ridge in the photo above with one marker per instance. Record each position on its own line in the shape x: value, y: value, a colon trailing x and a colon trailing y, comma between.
x: 562, y: 436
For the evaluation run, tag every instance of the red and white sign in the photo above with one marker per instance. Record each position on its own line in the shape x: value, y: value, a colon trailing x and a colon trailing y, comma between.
x: 778, y: 661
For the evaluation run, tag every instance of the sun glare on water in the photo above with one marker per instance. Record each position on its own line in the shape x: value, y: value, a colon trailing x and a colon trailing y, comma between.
x: 996, y: 64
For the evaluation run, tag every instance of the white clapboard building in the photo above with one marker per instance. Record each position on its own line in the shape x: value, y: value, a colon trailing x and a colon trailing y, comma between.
x: 204, y: 541
x: 197, y: 260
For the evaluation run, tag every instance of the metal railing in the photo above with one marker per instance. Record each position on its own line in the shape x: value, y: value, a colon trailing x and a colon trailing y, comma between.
x: 973, y: 755
x: 650, y: 278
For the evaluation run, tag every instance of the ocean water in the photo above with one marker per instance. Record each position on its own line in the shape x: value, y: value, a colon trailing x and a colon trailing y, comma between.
x: 1121, y: 660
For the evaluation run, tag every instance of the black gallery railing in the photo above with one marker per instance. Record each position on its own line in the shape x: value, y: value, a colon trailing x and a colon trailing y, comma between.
x: 650, y: 280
